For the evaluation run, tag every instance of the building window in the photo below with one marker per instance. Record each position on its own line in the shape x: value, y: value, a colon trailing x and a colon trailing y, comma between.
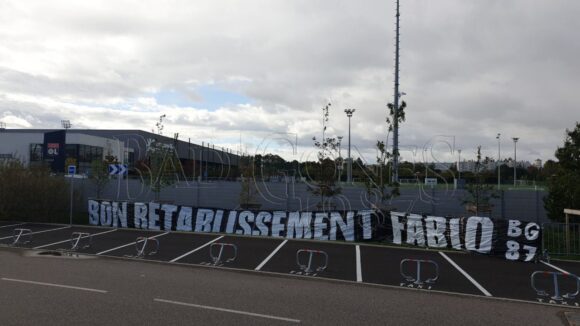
x: 36, y: 152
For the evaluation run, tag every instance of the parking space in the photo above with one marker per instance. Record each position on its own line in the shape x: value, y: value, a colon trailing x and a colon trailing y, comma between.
x: 383, y: 266
x: 65, y: 239
x: 500, y: 277
x: 58, y: 235
x: 341, y: 262
x: 110, y: 242
x: 247, y: 253
x: 171, y: 245
x: 8, y: 233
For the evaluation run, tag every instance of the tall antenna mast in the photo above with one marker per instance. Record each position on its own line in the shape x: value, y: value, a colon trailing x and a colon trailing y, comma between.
x: 395, y: 177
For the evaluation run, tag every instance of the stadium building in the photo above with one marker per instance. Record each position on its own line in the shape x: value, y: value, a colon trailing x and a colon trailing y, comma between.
x: 61, y: 148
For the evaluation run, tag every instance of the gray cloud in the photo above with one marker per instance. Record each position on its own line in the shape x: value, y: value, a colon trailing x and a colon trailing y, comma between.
x: 470, y: 68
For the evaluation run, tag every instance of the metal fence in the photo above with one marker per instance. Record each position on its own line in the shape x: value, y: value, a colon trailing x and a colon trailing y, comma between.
x: 559, y: 239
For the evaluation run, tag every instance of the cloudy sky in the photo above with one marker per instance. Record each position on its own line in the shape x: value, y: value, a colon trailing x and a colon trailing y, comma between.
x: 259, y: 72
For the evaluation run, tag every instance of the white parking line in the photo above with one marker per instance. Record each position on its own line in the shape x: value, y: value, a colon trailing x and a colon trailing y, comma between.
x: 271, y: 255
x: 54, y: 285
x: 7, y: 226
x: 471, y: 279
x: 239, y: 312
x: 358, y: 265
x: 68, y: 240
x: 37, y: 232
x: 555, y: 267
x: 129, y: 244
x: 196, y: 249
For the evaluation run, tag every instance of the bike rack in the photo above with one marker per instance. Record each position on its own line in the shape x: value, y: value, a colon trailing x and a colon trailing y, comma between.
x: 311, y: 253
x: 142, y: 251
x: 217, y: 259
x: 555, y: 276
x: 21, y: 236
x: 417, y: 280
x: 76, y: 240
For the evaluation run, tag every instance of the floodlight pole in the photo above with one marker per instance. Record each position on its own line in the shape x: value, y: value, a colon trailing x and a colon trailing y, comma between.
x: 515, y: 139
x: 498, y: 137
x: 395, y: 177
x: 349, y: 113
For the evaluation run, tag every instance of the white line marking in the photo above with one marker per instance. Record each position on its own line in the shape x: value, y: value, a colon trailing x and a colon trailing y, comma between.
x: 196, y: 249
x: 555, y: 267
x: 358, y: 265
x: 54, y: 285
x: 37, y: 232
x: 7, y: 226
x: 290, y: 320
x: 271, y: 255
x: 68, y: 240
x: 471, y: 279
x: 129, y: 244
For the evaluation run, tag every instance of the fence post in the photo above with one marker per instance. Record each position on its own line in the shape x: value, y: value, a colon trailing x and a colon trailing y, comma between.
x: 502, y: 203
x: 433, y: 201
x: 567, y: 234
x: 537, y: 206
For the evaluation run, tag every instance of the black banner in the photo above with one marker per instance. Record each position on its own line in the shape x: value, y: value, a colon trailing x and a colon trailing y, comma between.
x: 54, y: 150
x: 510, y: 239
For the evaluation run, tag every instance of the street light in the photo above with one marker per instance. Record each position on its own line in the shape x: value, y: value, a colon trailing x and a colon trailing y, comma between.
x: 498, y: 160
x: 339, y: 158
x: 425, y: 161
x: 349, y: 113
x: 66, y: 125
x: 515, y: 139
x: 459, y: 165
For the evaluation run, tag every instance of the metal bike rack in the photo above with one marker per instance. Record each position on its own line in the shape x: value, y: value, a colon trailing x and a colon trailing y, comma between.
x: 80, y: 240
x: 417, y: 280
x: 142, y: 249
x: 555, y: 276
x: 217, y: 259
x: 21, y: 236
x: 310, y: 252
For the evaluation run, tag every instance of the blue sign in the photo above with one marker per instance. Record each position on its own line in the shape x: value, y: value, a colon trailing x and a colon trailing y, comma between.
x: 72, y: 169
x: 117, y: 169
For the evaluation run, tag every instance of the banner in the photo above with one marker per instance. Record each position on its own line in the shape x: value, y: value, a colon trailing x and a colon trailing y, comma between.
x: 54, y: 150
x: 510, y: 239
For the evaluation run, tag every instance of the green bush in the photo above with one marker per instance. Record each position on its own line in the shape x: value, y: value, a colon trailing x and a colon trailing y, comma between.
x: 32, y: 194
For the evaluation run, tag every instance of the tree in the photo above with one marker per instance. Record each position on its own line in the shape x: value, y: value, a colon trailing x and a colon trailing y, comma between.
x: 379, y: 181
x: 99, y: 175
x: 161, y: 167
x: 479, y: 193
x: 249, y: 189
x: 324, y: 181
x: 564, y: 183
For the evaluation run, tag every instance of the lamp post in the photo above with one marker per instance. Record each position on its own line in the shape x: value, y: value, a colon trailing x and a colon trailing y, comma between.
x: 515, y: 139
x: 425, y: 161
x: 459, y: 165
x: 498, y: 161
x: 349, y: 113
x: 339, y: 158
x: 67, y: 125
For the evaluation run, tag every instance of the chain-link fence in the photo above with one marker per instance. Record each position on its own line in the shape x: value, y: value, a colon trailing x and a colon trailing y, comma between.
x: 292, y: 195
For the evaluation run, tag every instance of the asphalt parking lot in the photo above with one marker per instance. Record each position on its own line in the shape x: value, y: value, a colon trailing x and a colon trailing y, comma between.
x: 453, y: 272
